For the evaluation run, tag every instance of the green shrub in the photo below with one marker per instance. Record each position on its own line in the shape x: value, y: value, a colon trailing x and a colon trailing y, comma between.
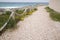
x: 3, y: 19
x: 29, y: 12
x: 20, y: 18
x: 19, y: 11
x: 11, y: 24
x: 7, y: 12
x: 35, y: 9
x: 53, y: 14
x: 17, y: 18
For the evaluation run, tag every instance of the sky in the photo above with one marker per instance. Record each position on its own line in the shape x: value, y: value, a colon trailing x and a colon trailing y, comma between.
x: 24, y: 0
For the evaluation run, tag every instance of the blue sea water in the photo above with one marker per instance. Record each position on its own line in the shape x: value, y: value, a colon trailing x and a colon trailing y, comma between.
x: 19, y: 4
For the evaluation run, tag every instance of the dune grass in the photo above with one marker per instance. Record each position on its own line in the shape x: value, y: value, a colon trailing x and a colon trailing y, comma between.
x: 28, y: 12
x: 12, y: 23
x: 4, y: 17
x: 19, y: 11
x: 53, y: 14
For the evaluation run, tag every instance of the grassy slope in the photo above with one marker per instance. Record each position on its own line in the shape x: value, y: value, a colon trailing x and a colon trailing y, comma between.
x: 53, y: 14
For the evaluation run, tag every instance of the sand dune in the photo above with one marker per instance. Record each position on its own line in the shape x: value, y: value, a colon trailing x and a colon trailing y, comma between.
x: 38, y: 26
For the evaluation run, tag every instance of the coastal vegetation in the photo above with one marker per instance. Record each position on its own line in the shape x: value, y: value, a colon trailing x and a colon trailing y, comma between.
x: 53, y: 14
x: 4, y: 17
x: 19, y: 16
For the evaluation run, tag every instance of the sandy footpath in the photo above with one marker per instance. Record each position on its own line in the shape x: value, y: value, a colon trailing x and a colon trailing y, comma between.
x: 38, y: 26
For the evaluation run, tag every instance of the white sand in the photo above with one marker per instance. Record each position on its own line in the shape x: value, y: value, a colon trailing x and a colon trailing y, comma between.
x: 35, y: 27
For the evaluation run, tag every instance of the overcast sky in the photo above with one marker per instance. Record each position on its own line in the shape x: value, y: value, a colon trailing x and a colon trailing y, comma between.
x: 24, y: 0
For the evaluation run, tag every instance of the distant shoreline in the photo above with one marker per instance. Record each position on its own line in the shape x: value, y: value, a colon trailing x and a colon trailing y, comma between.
x: 23, y: 7
x: 20, y: 4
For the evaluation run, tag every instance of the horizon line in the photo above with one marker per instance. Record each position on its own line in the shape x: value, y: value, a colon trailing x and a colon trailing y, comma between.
x: 39, y: 2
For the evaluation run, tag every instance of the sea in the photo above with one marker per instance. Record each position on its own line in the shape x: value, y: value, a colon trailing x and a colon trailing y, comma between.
x: 20, y: 4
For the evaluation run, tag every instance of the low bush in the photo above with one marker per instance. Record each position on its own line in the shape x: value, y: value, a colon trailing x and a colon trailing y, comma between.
x: 28, y: 12
x: 11, y: 24
x: 20, y: 18
x: 4, y: 17
x: 7, y: 12
x: 53, y: 14
x: 35, y: 9
x: 19, y: 11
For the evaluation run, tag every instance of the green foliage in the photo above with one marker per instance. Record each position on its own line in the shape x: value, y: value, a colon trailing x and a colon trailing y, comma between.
x: 28, y: 12
x: 11, y: 24
x: 35, y: 9
x: 19, y: 11
x: 7, y: 12
x: 20, y: 18
x: 53, y: 14
x: 17, y: 18
x: 4, y: 18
